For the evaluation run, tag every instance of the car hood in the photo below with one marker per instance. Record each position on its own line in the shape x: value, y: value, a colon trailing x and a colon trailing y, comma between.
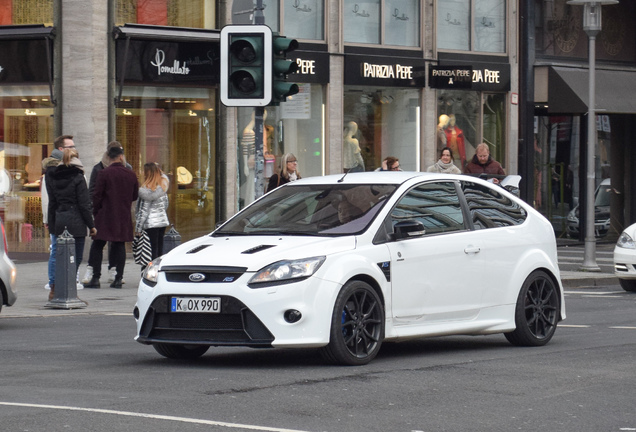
x: 253, y: 252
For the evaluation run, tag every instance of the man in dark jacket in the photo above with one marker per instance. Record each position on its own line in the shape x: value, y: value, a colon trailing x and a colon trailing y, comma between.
x: 116, y: 188
x: 483, y: 163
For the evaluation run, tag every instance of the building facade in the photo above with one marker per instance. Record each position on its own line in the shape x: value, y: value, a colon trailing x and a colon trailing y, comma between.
x: 404, y: 78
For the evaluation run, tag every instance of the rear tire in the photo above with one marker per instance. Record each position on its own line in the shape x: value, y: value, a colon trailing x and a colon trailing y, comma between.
x: 537, y: 311
x: 357, y: 326
x: 180, y: 352
x: 628, y: 285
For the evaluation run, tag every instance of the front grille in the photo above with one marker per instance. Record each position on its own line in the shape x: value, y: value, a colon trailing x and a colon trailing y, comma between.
x: 235, y: 325
x: 212, y: 274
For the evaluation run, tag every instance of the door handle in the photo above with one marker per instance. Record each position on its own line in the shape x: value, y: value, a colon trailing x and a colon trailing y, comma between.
x: 471, y: 250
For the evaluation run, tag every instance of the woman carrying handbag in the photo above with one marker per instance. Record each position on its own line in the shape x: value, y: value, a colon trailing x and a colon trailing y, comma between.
x: 152, y: 205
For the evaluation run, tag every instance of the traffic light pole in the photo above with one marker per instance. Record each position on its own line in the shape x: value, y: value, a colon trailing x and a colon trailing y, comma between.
x: 259, y: 159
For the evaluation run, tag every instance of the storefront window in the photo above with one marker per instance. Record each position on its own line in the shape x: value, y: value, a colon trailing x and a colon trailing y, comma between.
x: 472, y: 25
x: 26, y: 12
x: 389, y: 22
x: 304, y: 19
x: 458, y: 123
x: 27, y: 131
x: 175, y: 127
x: 387, y: 123
x: 175, y: 13
x: 296, y: 126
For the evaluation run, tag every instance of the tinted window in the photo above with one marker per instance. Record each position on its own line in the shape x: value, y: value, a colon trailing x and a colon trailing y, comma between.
x: 491, y: 209
x: 435, y: 205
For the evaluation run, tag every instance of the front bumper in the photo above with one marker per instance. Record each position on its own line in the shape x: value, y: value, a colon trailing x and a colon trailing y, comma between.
x: 625, y: 263
x: 8, y: 274
x: 248, y: 317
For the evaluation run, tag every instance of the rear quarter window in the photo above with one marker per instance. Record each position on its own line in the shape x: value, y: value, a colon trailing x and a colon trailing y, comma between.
x: 490, y: 209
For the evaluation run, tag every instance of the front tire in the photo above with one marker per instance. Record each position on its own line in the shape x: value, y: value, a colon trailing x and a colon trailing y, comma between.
x: 180, y: 352
x: 628, y: 285
x: 357, y: 326
x: 537, y: 311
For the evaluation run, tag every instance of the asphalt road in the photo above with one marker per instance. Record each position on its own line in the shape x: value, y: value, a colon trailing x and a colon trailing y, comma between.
x: 85, y: 372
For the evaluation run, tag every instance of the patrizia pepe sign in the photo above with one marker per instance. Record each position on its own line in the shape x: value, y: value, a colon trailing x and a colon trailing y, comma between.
x: 152, y: 62
x: 478, y: 76
x: 384, y: 71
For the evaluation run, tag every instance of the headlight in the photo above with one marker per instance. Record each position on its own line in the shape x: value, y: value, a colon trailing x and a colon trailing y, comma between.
x: 151, y: 274
x: 286, y: 271
x: 625, y: 241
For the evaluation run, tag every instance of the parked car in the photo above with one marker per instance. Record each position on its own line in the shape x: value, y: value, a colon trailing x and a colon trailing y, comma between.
x: 343, y: 263
x: 625, y: 258
x: 601, y: 212
x: 8, y: 294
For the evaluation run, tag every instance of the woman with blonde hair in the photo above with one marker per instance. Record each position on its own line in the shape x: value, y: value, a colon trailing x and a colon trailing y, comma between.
x: 69, y: 204
x: 152, y: 207
x: 288, y: 173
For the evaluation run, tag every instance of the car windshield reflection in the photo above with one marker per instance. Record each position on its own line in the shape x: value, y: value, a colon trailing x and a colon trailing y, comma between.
x: 331, y: 210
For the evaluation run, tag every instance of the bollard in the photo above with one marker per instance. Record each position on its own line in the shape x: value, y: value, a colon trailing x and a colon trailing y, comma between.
x: 171, y: 240
x: 65, y: 296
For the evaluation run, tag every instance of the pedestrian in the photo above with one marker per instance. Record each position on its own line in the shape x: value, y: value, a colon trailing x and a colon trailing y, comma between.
x: 69, y: 207
x: 152, y: 206
x: 483, y: 163
x: 390, y: 163
x: 445, y: 163
x: 91, y: 187
x: 48, y: 164
x: 288, y: 173
x: 116, y: 188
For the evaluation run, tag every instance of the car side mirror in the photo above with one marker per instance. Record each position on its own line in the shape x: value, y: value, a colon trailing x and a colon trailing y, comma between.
x: 408, y: 229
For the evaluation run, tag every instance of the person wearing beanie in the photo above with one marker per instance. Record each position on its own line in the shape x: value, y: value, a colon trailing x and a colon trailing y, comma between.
x: 99, y: 166
x: 116, y: 188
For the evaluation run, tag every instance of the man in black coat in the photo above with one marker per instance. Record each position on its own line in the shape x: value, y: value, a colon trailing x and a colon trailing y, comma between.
x: 116, y: 187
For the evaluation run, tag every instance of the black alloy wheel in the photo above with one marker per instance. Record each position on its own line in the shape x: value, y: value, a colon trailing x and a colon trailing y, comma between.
x: 357, y: 326
x: 537, y: 311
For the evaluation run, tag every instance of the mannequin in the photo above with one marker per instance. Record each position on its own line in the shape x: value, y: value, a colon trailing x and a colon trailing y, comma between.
x: 267, y: 151
x: 248, y: 149
x: 455, y: 141
x: 444, y: 120
x: 351, y: 155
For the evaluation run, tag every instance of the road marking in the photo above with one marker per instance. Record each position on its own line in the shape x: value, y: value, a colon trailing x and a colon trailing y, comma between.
x: 153, y: 416
x: 605, y: 296
x: 588, y: 292
x: 574, y: 326
x: 623, y: 327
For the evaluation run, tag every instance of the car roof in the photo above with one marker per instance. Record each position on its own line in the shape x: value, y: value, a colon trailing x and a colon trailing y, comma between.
x: 384, y: 177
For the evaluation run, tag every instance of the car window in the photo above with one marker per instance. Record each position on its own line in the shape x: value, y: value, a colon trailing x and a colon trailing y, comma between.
x: 435, y: 205
x: 489, y: 208
x: 311, y: 210
x: 603, y: 195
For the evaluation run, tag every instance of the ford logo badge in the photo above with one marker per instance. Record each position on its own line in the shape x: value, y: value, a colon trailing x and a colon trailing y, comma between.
x: 197, y: 277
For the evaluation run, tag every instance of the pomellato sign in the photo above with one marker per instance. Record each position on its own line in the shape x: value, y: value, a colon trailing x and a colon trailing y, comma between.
x: 168, y: 62
x: 479, y: 77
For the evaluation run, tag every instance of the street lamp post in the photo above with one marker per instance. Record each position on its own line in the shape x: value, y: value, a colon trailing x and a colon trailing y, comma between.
x: 592, y: 26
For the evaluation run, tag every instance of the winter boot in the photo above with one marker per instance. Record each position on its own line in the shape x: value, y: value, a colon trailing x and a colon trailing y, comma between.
x: 52, y: 292
x: 93, y: 283
x: 116, y: 283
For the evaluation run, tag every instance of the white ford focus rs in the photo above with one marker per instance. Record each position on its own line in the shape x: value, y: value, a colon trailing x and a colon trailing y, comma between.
x: 346, y: 262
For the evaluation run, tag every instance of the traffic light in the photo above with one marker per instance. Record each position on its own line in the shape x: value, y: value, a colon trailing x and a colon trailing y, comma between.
x: 246, y: 65
x: 281, y: 68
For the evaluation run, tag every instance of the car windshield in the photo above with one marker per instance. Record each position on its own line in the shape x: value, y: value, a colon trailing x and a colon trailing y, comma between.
x: 603, y: 196
x: 311, y: 210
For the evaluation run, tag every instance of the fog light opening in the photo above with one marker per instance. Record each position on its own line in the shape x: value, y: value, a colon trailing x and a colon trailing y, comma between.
x: 292, y: 316
x: 136, y: 312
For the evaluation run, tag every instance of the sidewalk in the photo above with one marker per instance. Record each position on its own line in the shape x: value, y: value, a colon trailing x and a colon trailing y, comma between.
x: 32, y: 276
x: 105, y: 301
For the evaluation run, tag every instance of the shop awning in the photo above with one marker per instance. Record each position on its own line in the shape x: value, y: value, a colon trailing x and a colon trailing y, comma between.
x: 568, y: 91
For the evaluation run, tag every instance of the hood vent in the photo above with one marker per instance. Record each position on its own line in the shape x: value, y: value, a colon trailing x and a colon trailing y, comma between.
x: 198, y: 249
x: 257, y: 249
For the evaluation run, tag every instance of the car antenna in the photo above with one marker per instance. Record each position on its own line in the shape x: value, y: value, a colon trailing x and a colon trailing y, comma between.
x: 342, y: 178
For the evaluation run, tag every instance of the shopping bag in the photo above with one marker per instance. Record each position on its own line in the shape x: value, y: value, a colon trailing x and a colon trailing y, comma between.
x: 142, y: 252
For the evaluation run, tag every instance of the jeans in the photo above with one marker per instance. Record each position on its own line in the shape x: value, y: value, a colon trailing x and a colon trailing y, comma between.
x: 52, y: 259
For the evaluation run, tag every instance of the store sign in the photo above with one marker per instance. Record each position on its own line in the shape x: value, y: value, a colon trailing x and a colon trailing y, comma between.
x: 384, y: 71
x: 24, y: 61
x: 152, y: 62
x: 478, y: 77
x: 313, y: 67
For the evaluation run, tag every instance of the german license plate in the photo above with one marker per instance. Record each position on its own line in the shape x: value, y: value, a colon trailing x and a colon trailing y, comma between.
x: 196, y: 304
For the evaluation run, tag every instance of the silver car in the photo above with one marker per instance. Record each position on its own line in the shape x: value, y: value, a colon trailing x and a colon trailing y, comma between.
x: 8, y: 294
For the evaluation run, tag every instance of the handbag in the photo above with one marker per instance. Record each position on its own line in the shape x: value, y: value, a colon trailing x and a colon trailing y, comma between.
x: 142, y: 252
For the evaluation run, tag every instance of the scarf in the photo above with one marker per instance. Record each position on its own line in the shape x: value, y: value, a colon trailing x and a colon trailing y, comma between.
x: 293, y: 176
x: 445, y: 167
